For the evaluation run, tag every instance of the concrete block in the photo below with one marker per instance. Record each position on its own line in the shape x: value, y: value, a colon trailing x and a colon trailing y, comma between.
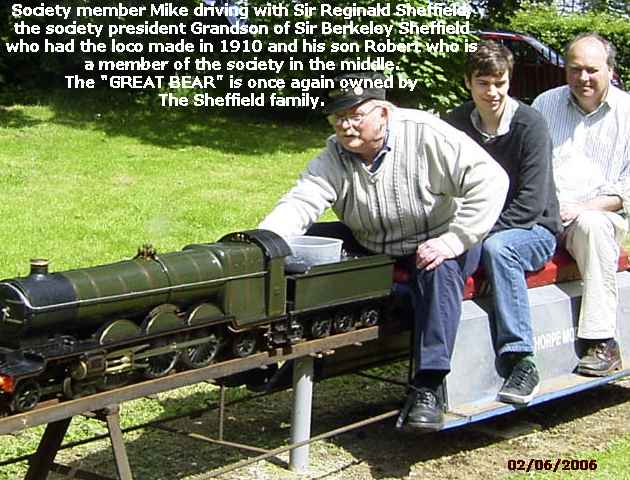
x: 474, y: 376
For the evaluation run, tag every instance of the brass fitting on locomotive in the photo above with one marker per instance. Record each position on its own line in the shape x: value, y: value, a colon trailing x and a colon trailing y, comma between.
x: 39, y: 266
x: 90, y: 364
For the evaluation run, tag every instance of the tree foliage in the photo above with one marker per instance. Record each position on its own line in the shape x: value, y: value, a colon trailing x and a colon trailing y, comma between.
x: 555, y: 29
x: 438, y: 74
x: 619, y: 7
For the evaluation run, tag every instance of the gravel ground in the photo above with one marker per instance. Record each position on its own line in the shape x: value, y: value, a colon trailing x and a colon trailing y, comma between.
x: 583, y: 422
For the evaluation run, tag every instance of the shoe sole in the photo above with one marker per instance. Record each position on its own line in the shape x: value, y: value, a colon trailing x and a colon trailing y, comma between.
x: 511, y: 398
x: 427, y: 427
x: 599, y: 373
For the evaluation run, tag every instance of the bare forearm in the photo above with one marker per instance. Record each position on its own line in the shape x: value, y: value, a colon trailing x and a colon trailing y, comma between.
x: 606, y: 203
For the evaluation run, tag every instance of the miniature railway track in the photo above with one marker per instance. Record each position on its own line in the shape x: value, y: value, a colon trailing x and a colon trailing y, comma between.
x: 105, y: 404
x: 161, y: 424
x: 156, y: 424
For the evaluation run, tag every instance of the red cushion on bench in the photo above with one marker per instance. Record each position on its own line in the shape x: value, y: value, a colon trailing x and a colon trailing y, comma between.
x: 561, y: 268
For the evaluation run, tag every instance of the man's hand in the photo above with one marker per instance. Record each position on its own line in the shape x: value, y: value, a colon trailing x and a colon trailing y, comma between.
x: 569, y: 211
x: 432, y: 253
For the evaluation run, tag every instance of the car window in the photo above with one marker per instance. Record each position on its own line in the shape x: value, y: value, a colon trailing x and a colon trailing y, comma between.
x: 525, y: 53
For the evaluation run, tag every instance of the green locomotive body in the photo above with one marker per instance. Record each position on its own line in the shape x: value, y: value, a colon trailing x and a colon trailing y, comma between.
x: 72, y: 331
x: 230, y: 275
x: 343, y: 283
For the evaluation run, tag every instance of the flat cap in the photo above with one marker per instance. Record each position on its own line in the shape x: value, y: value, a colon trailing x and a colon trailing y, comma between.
x: 352, y: 89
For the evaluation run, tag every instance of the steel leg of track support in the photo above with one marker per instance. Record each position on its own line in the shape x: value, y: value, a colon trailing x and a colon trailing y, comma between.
x: 41, y: 462
x: 221, y: 411
x: 301, y: 415
x: 112, y: 418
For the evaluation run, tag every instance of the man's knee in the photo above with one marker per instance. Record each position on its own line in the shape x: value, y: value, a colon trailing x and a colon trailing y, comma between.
x: 592, y: 236
x: 444, y: 270
x: 494, y: 247
x: 592, y: 224
x: 445, y: 279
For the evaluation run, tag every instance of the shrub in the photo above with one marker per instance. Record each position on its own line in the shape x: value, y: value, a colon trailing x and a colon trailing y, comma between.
x: 545, y: 23
x: 438, y: 74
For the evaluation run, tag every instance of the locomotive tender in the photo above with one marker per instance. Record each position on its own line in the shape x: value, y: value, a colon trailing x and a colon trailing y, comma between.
x: 70, y: 334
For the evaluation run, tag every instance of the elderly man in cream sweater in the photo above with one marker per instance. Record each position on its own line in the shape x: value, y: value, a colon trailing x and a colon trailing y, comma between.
x: 404, y: 183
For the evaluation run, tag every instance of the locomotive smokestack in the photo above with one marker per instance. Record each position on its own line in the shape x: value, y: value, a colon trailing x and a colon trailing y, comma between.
x: 39, y: 266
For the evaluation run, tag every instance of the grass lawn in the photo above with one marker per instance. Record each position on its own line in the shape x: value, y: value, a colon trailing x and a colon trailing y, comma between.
x: 87, y: 182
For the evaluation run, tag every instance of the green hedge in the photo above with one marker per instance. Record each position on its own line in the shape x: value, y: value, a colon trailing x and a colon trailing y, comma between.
x: 556, y: 30
x: 439, y: 74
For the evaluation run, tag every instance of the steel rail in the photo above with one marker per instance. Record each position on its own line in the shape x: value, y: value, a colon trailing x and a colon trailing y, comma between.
x: 152, y: 424
x: 279, y: 450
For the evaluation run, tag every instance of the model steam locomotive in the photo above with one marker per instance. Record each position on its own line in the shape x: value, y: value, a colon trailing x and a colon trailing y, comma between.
x: 69, y: 334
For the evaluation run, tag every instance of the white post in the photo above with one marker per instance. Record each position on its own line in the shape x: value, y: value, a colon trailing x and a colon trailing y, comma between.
x: 301, y: 415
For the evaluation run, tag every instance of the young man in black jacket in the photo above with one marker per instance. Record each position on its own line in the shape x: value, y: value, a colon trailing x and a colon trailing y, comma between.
x: 524, y: 236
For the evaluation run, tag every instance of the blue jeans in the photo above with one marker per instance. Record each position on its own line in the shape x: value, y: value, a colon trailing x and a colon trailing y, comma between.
x: 506, y: 256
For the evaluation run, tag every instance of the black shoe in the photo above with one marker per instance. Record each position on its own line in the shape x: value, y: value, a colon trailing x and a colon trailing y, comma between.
x: 601, y: 359
x: 522, y: 384
x: 425, y: 409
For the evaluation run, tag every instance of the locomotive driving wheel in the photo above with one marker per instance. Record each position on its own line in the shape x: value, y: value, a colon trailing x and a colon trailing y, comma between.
x: 119, y: 367
x: 117, y: 330
x: 160, y: 365
x: 203, y: 354
x: 343, y: 322
x: 369, y: 317
x: 26, y: 396
x: 244, y: 344
x: 161, y: 319
x: 320, y: 327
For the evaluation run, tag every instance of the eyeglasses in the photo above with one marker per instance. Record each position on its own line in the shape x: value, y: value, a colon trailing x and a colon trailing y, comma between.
x: 355, y: 119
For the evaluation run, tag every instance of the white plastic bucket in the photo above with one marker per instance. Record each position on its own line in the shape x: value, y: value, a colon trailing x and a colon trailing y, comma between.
x: 314, y: 250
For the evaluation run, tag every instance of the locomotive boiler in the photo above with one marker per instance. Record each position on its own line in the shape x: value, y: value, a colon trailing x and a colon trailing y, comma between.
x: 69, y: 334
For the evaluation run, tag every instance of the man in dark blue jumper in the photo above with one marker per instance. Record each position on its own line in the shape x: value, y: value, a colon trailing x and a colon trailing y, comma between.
x: 524, y: 236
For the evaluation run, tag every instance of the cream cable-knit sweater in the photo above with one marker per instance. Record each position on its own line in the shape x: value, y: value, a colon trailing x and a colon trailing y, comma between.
x: 435, y: 182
